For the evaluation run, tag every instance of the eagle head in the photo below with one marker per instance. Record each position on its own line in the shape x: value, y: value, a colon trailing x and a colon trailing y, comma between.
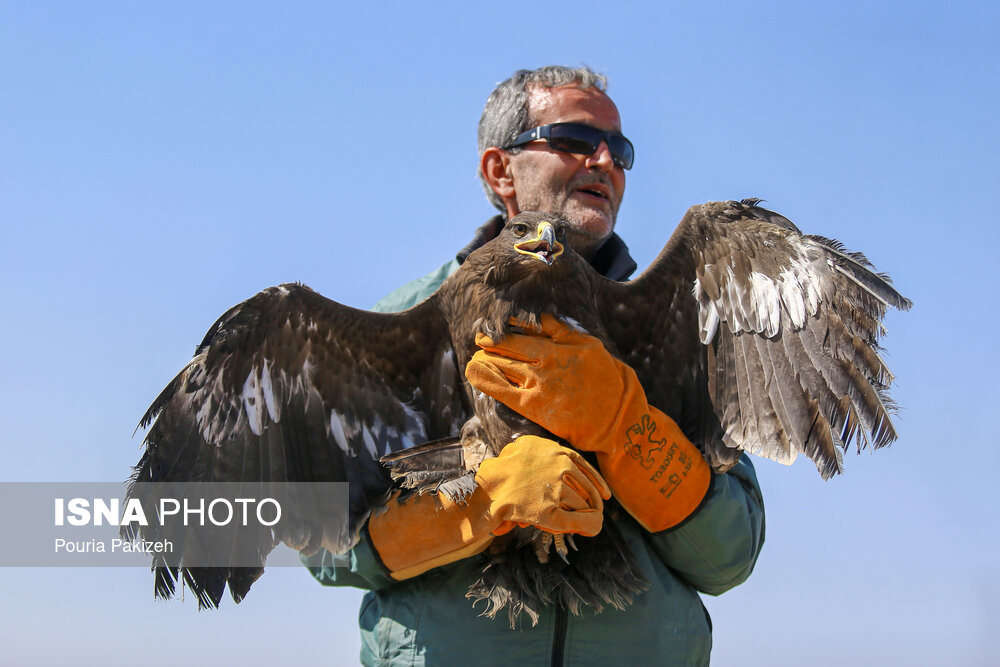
x: 526, y: 270
x: 531, y: 247
x: 526, y: 250
x: 536, y: 235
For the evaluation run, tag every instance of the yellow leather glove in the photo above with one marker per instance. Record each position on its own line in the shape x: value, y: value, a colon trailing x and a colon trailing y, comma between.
x: 568, y: 383
x: 534, y: 481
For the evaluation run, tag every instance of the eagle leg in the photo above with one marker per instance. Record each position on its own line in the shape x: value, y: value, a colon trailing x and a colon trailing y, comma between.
x: 542, y: 542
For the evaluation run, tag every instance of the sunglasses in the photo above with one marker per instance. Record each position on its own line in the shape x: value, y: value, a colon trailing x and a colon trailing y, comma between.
x: 580, y: 139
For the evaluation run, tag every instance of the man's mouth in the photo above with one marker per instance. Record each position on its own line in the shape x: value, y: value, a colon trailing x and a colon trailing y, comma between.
x: 595, y: 191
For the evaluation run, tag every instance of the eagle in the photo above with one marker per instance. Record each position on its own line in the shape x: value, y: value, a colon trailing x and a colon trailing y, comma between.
x: 751, y: 335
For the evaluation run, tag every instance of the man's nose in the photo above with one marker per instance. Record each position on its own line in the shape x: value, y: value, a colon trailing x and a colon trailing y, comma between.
x: 601, y: 158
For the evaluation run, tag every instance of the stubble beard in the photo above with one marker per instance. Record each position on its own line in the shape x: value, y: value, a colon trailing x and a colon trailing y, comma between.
x: 589, y: 227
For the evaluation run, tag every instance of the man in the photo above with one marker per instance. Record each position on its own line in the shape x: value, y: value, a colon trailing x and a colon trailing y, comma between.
x: 418, y: 559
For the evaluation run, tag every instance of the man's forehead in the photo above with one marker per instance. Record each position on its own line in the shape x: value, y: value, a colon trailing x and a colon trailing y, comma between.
x: 570, y: 103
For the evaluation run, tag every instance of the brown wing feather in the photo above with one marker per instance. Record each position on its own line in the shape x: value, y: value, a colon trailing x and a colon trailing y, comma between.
x: 289, y: 386
x: 788, y: 328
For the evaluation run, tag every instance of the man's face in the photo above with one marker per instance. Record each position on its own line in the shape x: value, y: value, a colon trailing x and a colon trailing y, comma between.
x: 586, y: 190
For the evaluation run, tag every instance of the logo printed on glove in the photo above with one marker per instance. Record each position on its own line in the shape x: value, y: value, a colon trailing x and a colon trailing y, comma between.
x: 673, y: 479
x: 644, y: 427
x: 642, y: 446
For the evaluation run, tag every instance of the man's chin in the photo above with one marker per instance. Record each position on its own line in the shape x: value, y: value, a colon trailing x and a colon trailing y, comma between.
x: 590, y: 222
x: 588, y: 229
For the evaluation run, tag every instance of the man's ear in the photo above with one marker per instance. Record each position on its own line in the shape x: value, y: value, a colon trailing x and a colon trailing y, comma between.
x: 495, y: 167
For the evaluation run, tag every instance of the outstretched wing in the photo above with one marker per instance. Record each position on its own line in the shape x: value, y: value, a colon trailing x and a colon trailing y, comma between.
x: 289, y: 386
x: 756, y: 336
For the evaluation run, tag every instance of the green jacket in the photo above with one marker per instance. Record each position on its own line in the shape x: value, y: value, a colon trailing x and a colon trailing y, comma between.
x: 428, y: 620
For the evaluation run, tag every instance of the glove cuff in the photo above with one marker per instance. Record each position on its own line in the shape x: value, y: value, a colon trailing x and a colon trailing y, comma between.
x: 429, y: 531
x: 654, y: 471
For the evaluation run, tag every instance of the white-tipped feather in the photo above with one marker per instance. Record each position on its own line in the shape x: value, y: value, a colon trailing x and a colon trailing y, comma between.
x: 767, y: 309
x: 273, y: 405
x: 337, y: 431
x: 708, y: 314
x: 366, y: 437
x: 791, y: 298
x: 252, y: 402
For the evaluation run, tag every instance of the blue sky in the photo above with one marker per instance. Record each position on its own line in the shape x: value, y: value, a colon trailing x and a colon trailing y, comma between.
x: 160, y: 163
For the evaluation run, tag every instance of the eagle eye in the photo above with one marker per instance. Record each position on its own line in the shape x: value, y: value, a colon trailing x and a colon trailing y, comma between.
x: 520, y: 229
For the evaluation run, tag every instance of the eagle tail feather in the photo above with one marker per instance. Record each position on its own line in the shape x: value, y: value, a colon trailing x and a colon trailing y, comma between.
x: 430, y: 467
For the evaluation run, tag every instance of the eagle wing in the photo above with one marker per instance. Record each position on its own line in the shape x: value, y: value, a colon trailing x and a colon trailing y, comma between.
x: 289, y: 386
x: 757, y: 338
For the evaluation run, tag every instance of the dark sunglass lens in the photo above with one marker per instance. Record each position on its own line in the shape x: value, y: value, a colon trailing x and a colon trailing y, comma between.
x: 571, y: 145
x: 584, y: 140
x: 573, y: 138
x: 621, y: 150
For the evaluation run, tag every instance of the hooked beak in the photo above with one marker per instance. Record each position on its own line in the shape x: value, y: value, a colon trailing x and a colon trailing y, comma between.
x: 544, y: 246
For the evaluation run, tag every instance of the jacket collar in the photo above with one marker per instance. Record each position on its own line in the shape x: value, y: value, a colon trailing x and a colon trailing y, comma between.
x: 612, y: 260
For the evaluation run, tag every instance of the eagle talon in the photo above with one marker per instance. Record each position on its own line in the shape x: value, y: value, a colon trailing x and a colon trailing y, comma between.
x: 559, y: 544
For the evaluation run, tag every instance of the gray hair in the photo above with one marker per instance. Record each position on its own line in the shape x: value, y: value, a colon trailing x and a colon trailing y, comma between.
x: 506, y: 112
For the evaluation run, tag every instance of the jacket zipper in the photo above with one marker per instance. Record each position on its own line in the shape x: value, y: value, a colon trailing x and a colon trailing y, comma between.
x: 559, y: 640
